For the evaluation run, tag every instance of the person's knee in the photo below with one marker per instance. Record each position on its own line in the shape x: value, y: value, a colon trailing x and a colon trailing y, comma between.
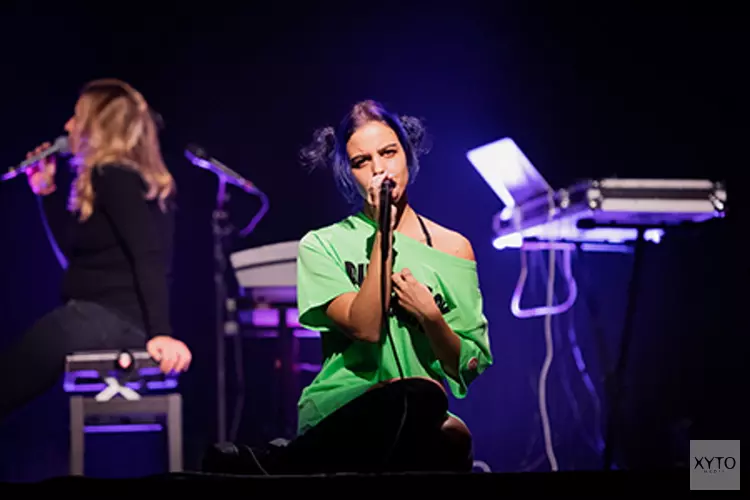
x: 459, y: 440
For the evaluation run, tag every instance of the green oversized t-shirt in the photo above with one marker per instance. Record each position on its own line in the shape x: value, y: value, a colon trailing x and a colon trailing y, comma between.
x: 332, y: 261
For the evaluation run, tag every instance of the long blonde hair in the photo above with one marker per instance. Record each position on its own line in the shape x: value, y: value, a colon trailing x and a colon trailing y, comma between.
x: 113, y: 124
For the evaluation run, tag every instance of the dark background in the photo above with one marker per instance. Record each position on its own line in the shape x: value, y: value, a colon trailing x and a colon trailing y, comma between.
x: 585, y: 93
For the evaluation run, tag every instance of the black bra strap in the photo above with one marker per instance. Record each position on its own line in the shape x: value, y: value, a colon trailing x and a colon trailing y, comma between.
x: 425, y: 231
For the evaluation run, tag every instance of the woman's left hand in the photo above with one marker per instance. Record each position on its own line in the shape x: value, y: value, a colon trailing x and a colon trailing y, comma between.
x: 414, y: 296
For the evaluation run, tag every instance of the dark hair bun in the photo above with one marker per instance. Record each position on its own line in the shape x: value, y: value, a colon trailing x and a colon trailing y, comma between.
x: 320, y: 151
x: 416, y: 133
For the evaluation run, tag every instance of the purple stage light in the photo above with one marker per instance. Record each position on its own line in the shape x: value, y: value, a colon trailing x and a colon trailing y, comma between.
x: 306, y: 334
x: 307, y: 367
x: 273, y: 334
x: 269, y: 318
x: 265, y: 318
x: 292, y: 318
x: 111, y: 429
x: 70, y: 384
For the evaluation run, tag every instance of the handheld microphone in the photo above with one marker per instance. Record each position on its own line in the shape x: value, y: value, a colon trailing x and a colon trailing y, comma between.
x: 60, y: 145
x: 200, y: 158
x: 386, y: 200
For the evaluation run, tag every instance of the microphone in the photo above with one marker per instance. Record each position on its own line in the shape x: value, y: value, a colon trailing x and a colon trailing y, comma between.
x: 200, y: 158
x: 386, y: 200
x: 60, y: 145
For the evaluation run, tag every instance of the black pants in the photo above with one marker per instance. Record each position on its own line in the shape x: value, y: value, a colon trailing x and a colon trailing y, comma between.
x: 394, y: 428
x: 37, y: 360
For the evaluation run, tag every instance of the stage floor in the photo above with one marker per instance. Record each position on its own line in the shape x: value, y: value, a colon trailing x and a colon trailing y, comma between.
x: 476, y: 484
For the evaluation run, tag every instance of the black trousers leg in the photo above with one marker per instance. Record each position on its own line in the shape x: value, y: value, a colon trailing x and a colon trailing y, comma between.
x: 363, y: 436
x: 35, y: 363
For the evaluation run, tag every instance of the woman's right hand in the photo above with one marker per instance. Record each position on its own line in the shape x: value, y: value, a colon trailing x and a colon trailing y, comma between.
x: 41, y: 175
x: 373, y: 197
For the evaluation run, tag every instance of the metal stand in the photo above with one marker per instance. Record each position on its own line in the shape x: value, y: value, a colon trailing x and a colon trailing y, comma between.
x: 153, y: 408
x: 266, y: 309
x: 198, y: 157
x: 615, y: 381
x: 220, y: 234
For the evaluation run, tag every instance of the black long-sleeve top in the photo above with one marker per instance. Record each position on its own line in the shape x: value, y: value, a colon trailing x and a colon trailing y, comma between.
x: 120, y: 257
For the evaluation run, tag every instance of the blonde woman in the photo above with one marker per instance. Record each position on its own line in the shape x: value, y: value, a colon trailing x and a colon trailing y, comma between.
x: 115, y: 232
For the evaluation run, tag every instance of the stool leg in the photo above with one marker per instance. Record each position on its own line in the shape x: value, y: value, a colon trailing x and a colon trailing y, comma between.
x: 76, y: 436
x: 174, y: 432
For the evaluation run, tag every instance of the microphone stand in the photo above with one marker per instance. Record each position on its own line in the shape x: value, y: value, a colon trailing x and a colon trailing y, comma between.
x: 226, y: 324
x: 386, y: 239
x: 221, y: 232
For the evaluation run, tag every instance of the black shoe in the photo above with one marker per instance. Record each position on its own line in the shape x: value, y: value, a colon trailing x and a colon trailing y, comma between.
x: 233, y: 458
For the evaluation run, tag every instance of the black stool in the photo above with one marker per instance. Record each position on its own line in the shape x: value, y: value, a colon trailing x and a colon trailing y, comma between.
x: 117, y: 391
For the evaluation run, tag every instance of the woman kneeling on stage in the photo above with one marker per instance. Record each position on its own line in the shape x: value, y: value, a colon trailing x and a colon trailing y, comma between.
x: 116, y: 233
x: 435, y: 332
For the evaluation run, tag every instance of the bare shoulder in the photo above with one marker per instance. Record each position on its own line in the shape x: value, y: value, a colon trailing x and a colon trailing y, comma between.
x: 450, y: 241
